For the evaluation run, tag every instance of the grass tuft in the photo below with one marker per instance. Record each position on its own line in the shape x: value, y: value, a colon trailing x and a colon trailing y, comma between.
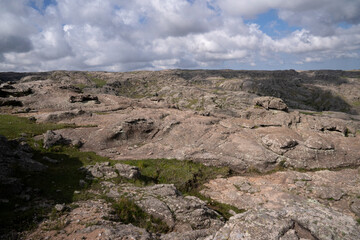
x: 127, y: 211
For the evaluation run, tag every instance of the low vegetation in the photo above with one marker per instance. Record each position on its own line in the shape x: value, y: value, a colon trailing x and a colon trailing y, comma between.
x: 14, y: 127
x: 99, y: 83
x: 185, y: 175
x: 127, y: 211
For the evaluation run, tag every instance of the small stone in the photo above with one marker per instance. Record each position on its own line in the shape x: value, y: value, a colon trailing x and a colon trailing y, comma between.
x: 60, y: 207
x: 76, y: 143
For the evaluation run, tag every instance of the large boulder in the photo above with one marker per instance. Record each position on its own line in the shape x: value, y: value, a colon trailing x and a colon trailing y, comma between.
x: 127, y: 171
x: 271, y: 103
x: 52, y: 138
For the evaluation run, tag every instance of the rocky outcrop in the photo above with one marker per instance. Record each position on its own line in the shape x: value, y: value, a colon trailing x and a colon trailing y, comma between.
x: 288, y: 203
x: 84, y: 98
x: 87, y: 221
x: 216, y: 118
x: 136, y: 128
x: 106, y: 171
x: 51, y: 138
x: 16, y: 154
x: 270, y: 103
x: 261, y: 139
x: 335, y: 188
x: 59, y: 116
x: 16, y: 161
x: 182, y: 214
x: 308, y: 221
x: 127, y: 171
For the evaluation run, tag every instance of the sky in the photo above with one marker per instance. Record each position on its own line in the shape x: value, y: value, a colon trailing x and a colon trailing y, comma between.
x: 127, y: 35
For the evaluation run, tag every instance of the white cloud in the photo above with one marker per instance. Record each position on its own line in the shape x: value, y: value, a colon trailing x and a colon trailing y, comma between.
x: 119, y: 35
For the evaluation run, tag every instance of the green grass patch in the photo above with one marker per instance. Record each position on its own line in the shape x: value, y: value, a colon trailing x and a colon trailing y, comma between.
x: 356, y: 104
x: 185, y: 175
x: 98, y: 82
x: 222, y: 208
x: 127, y: 211
x: 81, y: 86
x: 102, y: 113
x: 191, y: 103
x: 13, y: 127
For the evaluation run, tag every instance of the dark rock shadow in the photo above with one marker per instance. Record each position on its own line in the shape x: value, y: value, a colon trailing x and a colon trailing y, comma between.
x: 17, y: 76
x: 32, y: 182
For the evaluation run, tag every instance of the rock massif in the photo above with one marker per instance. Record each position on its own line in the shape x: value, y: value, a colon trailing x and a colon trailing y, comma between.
x: 291, y: 137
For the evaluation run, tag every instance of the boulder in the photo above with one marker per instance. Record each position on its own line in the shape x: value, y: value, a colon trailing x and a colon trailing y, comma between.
x: 127, y: 171
x: 52, y: 138
x: 271, y: 103
x: 101, y: 170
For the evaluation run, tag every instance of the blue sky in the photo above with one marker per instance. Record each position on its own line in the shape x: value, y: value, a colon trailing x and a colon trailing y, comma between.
x: 119, y: 35
x: 272, y: 25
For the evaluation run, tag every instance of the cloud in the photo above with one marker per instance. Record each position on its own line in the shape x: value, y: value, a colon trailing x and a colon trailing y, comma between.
x: 14, y: 31
x: 118, y: 35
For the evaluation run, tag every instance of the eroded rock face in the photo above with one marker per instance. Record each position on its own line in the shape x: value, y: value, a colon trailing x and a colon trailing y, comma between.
x: 204, y: 116
x: 302, y: 221
x: 338, y: 189
x: 261, y: 142
x: 290, y: 205
x: 76, y: 225
x: 181, y: 214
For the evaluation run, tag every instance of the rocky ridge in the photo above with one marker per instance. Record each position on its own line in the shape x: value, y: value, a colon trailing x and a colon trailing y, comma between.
x: 300, y: 128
